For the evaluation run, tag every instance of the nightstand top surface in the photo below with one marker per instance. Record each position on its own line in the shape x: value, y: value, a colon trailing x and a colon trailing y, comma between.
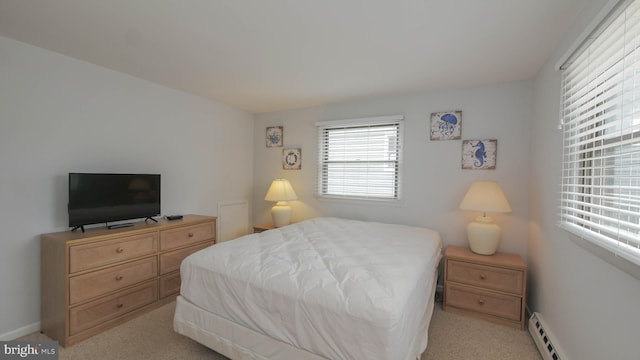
x: 500, y: 259
x: 263, y: 227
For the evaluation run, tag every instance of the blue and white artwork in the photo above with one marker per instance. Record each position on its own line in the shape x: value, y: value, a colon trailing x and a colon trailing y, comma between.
x: 479, y: 154
x: 274, y: 136
x: 446, y: 125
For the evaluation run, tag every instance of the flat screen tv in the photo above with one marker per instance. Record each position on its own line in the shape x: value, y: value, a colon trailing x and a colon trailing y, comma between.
x: 103, y: 198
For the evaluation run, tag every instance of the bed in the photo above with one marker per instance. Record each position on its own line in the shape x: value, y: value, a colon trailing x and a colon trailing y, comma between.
x: 324, y: 288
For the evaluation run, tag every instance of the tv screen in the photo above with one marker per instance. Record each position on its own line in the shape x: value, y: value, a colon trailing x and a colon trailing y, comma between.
x: 102, y: 198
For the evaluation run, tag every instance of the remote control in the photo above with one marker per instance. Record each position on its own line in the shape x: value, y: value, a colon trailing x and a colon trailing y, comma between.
x: 174, y: 217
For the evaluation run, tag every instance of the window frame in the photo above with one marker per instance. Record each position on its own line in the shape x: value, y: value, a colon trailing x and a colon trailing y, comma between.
x: 595, y: 204
x: 359, y: 123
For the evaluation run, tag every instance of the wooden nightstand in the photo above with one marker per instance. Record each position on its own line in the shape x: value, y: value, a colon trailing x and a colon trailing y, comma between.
x: 491, y: 287
x: 263, y: 227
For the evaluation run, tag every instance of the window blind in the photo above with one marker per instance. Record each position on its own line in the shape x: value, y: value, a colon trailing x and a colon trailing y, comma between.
x: 360, y: 159
x: 600, y: 115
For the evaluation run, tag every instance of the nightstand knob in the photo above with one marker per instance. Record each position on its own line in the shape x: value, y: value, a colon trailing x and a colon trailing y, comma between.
x: 119, y: 277
x: 483, y: 276
x: 480, y: 302
x: 190, y: 235
x: 119, y: 250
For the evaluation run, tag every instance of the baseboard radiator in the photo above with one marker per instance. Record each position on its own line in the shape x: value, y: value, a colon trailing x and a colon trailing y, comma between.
x: 542, y: 338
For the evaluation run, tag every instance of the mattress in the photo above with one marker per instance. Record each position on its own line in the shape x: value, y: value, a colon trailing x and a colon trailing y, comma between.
x: 335, y: 288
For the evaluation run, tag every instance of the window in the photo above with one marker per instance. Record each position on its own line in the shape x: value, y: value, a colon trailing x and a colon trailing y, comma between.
x: 360, y: 159
x: 600, y: 194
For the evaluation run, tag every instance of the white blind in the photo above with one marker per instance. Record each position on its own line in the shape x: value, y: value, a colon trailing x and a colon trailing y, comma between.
x: 360, y: 159
x: 600, y: 192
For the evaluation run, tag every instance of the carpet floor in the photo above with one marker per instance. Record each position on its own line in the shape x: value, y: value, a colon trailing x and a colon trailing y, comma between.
x: 151, y: 337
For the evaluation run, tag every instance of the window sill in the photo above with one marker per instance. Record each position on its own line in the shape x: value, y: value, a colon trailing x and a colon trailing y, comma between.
x: 360, y: 201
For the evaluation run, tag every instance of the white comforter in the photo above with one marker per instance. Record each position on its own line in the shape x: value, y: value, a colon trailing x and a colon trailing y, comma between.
x: 338, y: 288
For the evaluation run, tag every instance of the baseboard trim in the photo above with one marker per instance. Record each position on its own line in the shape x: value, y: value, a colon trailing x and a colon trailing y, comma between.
x: 25, y: 330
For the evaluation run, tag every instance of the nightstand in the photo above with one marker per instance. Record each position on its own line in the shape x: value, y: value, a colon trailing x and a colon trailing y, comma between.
x: 263, y: 227
x: 490, y: 287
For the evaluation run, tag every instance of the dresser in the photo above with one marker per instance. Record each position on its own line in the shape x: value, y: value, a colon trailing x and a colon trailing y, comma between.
x: 491, y: 287
x: 98, y: 279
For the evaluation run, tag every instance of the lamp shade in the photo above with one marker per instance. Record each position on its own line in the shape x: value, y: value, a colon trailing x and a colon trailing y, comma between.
x: 485, y: 196
x: 280, y: 190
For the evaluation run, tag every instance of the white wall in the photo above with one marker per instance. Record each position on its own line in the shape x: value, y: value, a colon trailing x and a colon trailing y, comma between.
x: 590, y: 306
x: 59, y: 115
x: 433, y: 181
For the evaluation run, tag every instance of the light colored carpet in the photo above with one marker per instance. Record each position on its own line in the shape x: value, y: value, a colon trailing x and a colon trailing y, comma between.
x: 151, y: 336
x: 453, y: 336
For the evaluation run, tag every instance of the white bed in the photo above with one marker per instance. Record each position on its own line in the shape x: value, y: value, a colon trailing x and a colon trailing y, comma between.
x: 325, y: 288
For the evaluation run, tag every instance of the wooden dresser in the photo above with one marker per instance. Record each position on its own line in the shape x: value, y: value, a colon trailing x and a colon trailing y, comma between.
x: 491, y: 287
x: 98, y: 279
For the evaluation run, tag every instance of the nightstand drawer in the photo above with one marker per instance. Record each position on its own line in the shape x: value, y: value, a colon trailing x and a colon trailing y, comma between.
x: 486, y: 302
x: 485, y: 276
x: 175, y: 238
x: 87, y: 286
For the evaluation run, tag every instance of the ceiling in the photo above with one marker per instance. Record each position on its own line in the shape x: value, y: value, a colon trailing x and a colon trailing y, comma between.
x: 271, y: 55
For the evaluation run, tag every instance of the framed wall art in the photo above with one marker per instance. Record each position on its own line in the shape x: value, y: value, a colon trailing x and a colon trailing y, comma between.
x: 446, y: 125
x: 292, y: 159
x: 479, y: 154
x: 274, y: 135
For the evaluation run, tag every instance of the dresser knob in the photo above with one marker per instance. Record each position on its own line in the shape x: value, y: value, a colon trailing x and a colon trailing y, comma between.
x: 483, y: 276
x: 119, y: 250
x: 480, y: 302
x: 119, y: 306
x: 119, y: 277
x: 190, y: 235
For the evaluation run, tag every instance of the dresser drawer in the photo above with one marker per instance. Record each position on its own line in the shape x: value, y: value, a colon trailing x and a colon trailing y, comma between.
x: 86, y: 316
x: 486, y: 302
x: 93, y: 255
x: 485, y: 276
x: 184, y: 236
x: 171, y: 261
x: 87, y: 286
x: 170, y: 284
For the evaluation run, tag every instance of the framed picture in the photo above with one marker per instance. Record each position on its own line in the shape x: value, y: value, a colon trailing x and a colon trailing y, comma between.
x: 446, y: 125
x: 292, y: 159
x: 274, y: 136
x: 479, y: 154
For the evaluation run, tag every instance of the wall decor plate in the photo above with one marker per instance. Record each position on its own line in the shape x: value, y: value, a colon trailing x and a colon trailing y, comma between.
x: 292, y: 159
x: 274, y: 135
x: 446, y: 125
x: 479, y: 154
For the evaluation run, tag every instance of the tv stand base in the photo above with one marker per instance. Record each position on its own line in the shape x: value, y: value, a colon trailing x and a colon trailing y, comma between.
x: 117, y: 226
x: 81, y: 227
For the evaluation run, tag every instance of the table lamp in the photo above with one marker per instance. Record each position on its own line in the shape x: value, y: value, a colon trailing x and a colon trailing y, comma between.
x: 486, y: 197
x: 280, y: 191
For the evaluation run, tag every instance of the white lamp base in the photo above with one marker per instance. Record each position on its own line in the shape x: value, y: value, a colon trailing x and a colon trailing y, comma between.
x: 483, y: 236
x: 281, y: 214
